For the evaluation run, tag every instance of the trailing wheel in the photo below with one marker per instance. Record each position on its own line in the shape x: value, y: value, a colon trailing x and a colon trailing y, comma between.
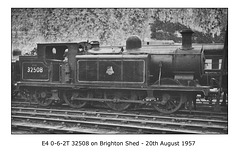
x: 69, y: 96
x: 25, y: 93
x: 43, y: 96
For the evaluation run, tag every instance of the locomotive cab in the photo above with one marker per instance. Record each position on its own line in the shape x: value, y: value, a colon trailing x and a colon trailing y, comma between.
x: 53, y: 63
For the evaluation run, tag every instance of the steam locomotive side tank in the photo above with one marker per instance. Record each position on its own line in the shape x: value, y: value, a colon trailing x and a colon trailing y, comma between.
x: 163, y: 80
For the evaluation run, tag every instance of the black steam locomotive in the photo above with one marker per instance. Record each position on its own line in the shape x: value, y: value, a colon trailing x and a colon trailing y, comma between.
x: 81, y: 73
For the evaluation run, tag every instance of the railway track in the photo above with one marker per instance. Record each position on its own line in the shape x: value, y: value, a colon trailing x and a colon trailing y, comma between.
x: 202, y: 110
x: 50, y: 120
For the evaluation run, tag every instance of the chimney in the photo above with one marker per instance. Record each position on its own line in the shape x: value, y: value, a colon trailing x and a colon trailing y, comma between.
x: 187, y: 39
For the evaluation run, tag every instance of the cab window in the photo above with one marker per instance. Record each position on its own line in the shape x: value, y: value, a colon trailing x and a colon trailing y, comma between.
x: 56, y: 52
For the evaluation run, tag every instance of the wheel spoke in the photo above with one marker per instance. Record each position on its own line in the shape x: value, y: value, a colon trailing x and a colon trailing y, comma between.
x: 118, y: 106
x: 173, y: 104
x: 69, y: 98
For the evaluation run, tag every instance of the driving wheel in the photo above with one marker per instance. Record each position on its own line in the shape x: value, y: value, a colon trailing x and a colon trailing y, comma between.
x: 69, y: 96
x: 115, y: 96
x: 170, y: 103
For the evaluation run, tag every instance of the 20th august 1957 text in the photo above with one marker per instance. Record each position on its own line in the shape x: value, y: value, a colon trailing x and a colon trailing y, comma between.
x: 119, y: 143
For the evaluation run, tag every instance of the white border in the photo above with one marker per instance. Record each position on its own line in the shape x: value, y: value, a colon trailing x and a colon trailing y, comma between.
x: 207, y: 146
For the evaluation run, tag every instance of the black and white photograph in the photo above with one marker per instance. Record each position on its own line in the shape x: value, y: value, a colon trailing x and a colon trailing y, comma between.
x: 119, y: 70
x: 123, y: 79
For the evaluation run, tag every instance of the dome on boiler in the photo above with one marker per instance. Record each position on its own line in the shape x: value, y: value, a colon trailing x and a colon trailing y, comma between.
x: 133, y: 42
